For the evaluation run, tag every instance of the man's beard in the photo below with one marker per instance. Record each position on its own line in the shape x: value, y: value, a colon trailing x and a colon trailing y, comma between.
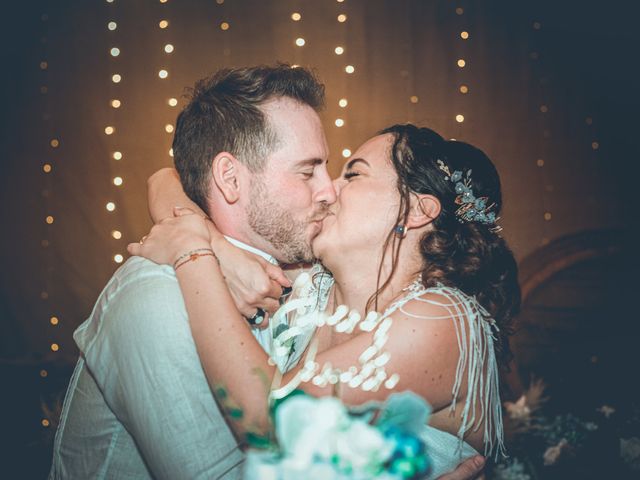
x: 268, y: 219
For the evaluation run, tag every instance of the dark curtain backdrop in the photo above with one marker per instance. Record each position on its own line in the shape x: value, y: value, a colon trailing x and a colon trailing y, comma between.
x: 551, y: 96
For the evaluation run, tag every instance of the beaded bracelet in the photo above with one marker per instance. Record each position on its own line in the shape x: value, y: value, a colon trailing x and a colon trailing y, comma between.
x: 192, y: 256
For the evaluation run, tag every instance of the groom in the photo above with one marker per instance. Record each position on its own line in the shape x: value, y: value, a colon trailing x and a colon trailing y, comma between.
x: 251, y: 153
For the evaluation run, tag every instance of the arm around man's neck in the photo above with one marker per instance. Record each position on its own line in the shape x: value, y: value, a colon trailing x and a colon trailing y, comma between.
x: 164, y: 191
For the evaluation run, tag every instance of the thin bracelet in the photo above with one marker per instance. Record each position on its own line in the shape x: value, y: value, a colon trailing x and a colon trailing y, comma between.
x: 188, y: 254
x: 194, y: 257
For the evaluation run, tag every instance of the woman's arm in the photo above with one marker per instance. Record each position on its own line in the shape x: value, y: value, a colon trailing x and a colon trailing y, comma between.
x: 164, y: 191
x: 422, y: 352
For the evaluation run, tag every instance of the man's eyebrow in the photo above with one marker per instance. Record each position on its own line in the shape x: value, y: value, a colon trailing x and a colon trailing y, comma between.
x: 352, y: 162
x: 310, y: 161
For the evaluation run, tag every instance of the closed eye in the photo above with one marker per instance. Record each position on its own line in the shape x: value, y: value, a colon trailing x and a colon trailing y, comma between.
x: 351, y: 174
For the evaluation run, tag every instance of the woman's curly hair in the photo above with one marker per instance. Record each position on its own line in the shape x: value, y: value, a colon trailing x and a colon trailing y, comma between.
x: 467, y: 255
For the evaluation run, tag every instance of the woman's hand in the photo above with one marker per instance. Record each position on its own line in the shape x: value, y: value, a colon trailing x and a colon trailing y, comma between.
x: 173, y: 237
x: 253, y: 282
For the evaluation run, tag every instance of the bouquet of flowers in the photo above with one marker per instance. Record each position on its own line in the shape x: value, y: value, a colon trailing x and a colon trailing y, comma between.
x: 320, y: 438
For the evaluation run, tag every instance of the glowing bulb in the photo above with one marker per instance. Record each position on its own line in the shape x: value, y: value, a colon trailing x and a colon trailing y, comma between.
x: 117, y: 234
x: 163, y: 24
x: 459, y: 10
x: 464, y: 89
x: 464, y: 35
x: 172, y: 102
x: 54, y: 347
x: 461, y: 63
x: 118, y: 258
x: 163, y: 74
x: 54, y: 320
x: 112, y: 26
x: 346, y: 153
x: 117, y: 181
x: 49, y: 219
x: 414, y: 99
x: 349, y: 69
x: 115, y: 51
x: 109, y: 130
x: 459, y: 118
x: 54, y: 143
x: 43, y: 65
x: 43, y: 373
x: 544, y: 108
x: 343, y: 102
x: 45, y: 422
x: 46, y: 168
x: 300, y: 42
x: 110, y: 206
x: 342, y: 18
x: 339, y: 122
x: 540, y: 162
x: 296, y: 17
x: 168, y: 48
x: 168, y: 128
x: 224, y: 26
x: 547, y: 216
x: 339, y: 50
x: 116, y: 78
x: 117, y: 155
x: 595, y: 145
x: 115, y: 103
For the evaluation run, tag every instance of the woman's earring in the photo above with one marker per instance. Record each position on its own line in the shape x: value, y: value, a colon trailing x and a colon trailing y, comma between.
x: 400, y: 230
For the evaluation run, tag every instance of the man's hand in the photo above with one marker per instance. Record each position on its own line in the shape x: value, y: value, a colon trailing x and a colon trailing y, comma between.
x: 470, y: 469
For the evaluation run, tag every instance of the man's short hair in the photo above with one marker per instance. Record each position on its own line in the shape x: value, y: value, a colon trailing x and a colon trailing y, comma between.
x: 224, y: 115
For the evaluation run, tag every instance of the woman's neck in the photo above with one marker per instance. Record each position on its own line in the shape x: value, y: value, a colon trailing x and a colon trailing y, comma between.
x: 356, y: 281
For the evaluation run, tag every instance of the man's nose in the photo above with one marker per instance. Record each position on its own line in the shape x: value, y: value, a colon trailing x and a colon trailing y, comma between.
x: 327, y: 193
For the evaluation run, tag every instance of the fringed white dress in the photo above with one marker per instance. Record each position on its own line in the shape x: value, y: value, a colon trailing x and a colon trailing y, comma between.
x: 291, y: 332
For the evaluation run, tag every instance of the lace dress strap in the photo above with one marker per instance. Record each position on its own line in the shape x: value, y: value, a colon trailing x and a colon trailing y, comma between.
x: 475, y: 336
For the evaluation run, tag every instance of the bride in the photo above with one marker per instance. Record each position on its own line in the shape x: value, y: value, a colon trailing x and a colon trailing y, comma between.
x: 413, y: 236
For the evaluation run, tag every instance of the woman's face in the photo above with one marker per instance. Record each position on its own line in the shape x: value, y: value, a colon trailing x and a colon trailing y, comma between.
x: 367, y: 205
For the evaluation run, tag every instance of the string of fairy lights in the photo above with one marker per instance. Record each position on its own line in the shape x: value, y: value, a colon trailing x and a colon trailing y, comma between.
x: 47, y: 169
x: 463, y: 87
x: 339, y: 50
x: 115, y: 103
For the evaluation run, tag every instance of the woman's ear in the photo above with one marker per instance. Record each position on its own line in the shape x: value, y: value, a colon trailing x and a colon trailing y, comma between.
x: 424, y: 209
x: 225, y: 170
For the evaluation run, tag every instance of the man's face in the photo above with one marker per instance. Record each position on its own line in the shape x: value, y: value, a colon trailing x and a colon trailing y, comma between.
x: 289, y: 198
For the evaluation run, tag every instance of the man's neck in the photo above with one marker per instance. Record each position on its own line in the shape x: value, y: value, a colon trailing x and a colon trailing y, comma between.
x: 245, y: 246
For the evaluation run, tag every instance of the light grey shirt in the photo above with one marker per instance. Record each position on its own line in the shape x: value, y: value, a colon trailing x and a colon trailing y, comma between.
x: 138, y: 404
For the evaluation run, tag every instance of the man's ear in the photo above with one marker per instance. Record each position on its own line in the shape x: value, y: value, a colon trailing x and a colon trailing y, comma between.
x: 225, y: 170
x: 424, y: 209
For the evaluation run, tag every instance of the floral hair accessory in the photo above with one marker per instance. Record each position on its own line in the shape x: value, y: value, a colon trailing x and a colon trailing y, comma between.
x: 471, y: 209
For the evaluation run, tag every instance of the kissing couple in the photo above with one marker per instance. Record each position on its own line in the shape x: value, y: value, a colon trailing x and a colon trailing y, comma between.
x: 404, y: 239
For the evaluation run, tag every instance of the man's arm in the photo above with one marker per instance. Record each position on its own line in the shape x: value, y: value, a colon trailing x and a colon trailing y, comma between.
x: 145, y: 363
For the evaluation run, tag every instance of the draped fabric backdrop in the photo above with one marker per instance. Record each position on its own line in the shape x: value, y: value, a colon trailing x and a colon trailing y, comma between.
x: 91, y: 90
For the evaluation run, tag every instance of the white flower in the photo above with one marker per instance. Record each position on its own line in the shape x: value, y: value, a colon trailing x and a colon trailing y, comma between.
x: 606, y: 410
x: 311, y: 429
x: 306, y: 426
x: 518, y: 410
x: 552, y: 454
x: 362, y: 446
x: 630, y: 452
x: 514, y: 470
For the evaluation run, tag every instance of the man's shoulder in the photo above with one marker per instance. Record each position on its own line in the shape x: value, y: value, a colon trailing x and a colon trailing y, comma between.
x: 139, y: 268
x: 139, y: 295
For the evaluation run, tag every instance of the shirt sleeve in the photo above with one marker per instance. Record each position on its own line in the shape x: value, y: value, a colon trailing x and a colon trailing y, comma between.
x: 144, y: 360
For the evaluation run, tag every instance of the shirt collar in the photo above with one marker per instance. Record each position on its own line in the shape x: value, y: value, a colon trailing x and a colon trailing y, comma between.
x: 251, y: 249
